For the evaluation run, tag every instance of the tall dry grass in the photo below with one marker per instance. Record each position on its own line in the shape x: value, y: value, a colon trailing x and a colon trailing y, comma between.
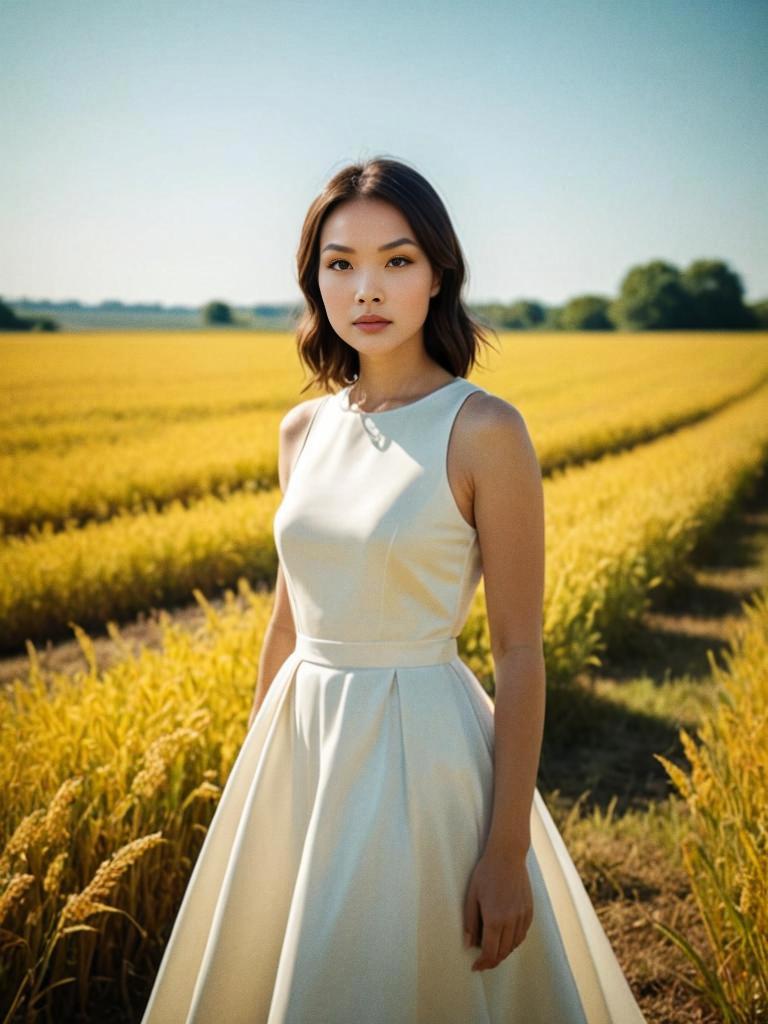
x: 725, y: 849
x: 108, y: 781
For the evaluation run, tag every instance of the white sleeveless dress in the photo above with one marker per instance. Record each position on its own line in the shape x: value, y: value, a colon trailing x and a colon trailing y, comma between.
x: 330, y: 885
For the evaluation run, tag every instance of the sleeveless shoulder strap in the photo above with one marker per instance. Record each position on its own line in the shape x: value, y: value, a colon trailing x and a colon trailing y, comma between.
x: 429, y: 443
x: 447, y: 420
x: 444, y: 423
x: 324, y: 401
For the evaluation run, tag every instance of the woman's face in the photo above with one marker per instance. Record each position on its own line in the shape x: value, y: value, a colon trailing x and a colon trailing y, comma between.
x: 357, y: 275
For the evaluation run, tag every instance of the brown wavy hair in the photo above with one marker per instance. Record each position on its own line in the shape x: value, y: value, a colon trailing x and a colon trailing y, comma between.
x: 452, y: 337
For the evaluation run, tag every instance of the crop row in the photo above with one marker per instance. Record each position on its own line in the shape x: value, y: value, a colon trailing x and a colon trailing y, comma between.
x: 109, y: 778
x: 61, y: 471
x: 615, y: 528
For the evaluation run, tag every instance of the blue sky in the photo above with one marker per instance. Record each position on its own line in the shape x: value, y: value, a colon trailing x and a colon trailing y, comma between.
x: 168, y: 151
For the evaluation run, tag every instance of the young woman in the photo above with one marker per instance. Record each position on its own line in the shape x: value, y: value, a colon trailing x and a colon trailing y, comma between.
x: 380, y: 854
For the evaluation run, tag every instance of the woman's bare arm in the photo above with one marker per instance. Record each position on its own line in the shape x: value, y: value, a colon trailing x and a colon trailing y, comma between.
x: 509, y: 514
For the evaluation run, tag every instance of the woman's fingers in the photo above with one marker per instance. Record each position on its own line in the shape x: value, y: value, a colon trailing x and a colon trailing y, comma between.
x: 509, y: 917
x: 509, y: 942
x: 472, y: 918
x: 498, y: 942
x: 489, y: 955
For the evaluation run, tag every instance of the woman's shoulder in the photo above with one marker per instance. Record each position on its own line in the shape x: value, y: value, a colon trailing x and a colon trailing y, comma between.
x: 491, y: 428
x: 488, y: 415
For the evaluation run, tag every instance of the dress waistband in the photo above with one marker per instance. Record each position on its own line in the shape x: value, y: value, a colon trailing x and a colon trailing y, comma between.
x: 376, y: 653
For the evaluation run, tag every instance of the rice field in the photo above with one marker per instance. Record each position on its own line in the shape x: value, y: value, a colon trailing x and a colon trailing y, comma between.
x: 139, y: 472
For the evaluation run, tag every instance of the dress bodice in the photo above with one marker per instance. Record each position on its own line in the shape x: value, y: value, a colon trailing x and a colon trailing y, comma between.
x: 372, y: 543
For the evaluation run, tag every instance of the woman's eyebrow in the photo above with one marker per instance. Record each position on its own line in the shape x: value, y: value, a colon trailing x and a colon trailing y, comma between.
x: 389, y: 245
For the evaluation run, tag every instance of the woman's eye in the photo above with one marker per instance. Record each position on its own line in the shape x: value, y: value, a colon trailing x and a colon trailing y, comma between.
x: 403, y: 258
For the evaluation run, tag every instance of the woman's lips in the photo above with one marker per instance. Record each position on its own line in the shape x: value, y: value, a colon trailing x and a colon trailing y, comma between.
x: 373, y: 327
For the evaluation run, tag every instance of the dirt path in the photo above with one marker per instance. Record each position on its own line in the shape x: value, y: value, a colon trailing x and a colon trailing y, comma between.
x: 143, y: 631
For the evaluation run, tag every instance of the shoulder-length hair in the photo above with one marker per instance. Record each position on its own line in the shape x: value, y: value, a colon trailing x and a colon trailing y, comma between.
x: 452, y: 337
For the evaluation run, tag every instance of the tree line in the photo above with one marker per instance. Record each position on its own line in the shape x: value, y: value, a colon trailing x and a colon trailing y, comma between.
x: 654, y: 296
x: 706, y: 295
x: 9, y: 321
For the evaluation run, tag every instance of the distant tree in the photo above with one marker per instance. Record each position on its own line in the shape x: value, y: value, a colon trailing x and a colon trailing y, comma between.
x: 717, y: 296
x: 9, y: 321
x: 523, y: 314
x: 489, y: 312
x: 552, y: 318
x: 585, y: 313
x: 217, y: 312
x: 44, y: 323
x: 760, y: 313
x: 652, y: 297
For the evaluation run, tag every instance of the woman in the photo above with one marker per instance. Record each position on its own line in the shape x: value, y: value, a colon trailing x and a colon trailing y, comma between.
x: 380, y: 854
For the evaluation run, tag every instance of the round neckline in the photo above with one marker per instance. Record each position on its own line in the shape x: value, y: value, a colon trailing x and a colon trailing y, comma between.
x: 344, y: 394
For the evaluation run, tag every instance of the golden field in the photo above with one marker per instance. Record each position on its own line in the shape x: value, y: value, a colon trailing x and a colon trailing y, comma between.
x: 140, y: 471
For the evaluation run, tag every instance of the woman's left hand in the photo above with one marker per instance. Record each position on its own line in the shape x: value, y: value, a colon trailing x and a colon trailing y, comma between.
x: 498, y: 908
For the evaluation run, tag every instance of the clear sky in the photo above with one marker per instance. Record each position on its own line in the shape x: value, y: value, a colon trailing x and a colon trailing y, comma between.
x: 167, y: 150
